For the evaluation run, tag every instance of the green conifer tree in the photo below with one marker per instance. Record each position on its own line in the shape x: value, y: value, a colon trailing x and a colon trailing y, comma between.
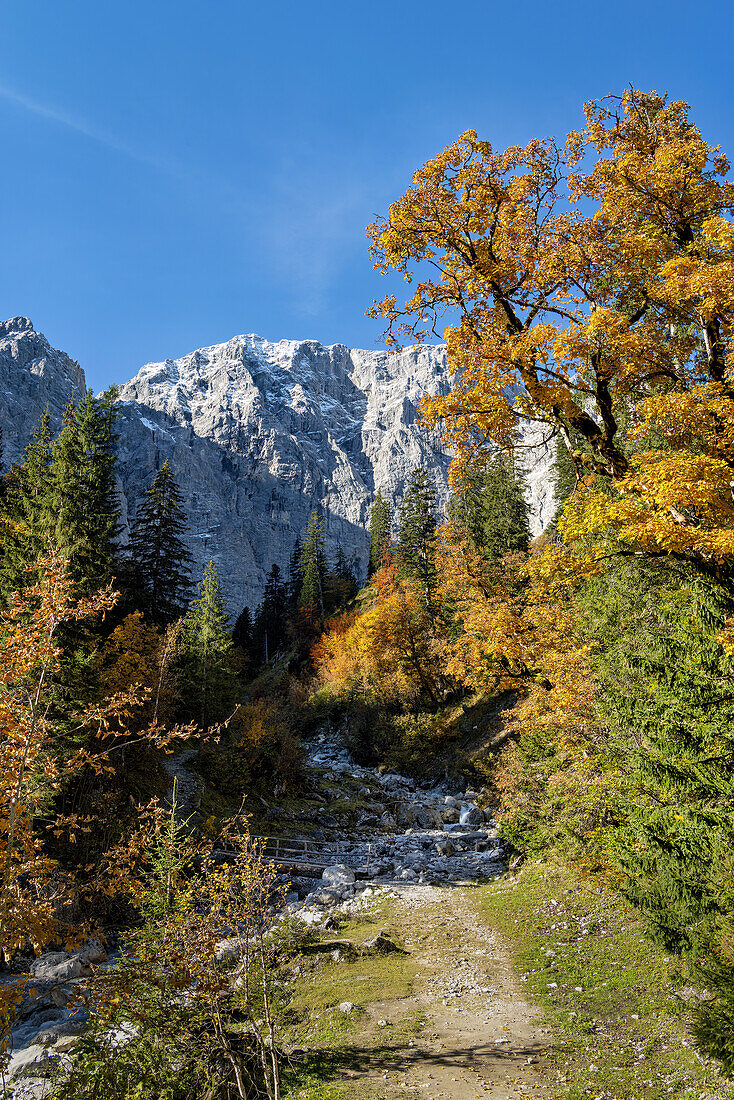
x: 380, y: 523
x: 29, y: 510
x: 664, y: 692
x: 341, y: 584
x: 209, y: 677
x: 270, y: 628
x: 466, y: 506
x: 242, y: 630
x: 295, y: 573
x: 84, y: 498
x: 313, y: 565
x: 416, y: 549
x: 505, y: 512
x: 161, y: 563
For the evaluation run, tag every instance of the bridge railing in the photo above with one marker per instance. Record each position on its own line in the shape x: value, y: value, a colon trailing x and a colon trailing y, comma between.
x: 289, y: 852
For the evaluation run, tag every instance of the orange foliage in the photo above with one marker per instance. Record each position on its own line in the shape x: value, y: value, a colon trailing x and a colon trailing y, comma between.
x: 389, y: 650
x: 31, y: 768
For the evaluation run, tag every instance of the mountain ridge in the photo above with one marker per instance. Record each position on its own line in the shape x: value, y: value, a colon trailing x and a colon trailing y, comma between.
x: 259, y: 433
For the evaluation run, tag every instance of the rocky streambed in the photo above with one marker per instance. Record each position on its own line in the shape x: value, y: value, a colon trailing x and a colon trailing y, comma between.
x: 407, y: 833
x: 403, y: 834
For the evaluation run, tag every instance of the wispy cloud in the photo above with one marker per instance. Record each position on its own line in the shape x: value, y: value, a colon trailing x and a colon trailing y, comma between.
x: 94, y: 133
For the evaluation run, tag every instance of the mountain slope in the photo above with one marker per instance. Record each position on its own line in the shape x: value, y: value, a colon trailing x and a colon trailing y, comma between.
x: 258, y: 435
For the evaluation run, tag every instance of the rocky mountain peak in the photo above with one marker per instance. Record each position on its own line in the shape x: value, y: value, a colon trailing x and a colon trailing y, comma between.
x: 259, y: 434
x: 33, y: 375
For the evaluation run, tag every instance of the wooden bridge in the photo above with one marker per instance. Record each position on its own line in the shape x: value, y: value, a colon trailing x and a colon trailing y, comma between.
x: 307, y: 857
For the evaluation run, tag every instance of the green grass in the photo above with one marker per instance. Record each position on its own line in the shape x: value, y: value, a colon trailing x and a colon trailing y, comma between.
x: 608, y: 993
x: 332, y: 1044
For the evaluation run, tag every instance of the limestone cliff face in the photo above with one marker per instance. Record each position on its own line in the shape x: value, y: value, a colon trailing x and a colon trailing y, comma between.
x: 33, y: 375
x: 258, y: 435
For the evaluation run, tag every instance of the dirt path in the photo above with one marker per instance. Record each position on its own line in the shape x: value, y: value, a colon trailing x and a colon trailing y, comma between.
x: 481, y: 1039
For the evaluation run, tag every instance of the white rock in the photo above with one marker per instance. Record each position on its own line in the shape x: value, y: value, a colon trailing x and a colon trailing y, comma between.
x: 60, y: 966
x: 346, y: 1007
x: 339, y: 875
x: 30, y: 1062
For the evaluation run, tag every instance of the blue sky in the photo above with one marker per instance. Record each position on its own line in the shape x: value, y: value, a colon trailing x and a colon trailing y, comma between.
x: 175, y: 173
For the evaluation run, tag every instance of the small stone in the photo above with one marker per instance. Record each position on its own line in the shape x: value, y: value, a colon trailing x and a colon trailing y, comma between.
x: 346, y: 1007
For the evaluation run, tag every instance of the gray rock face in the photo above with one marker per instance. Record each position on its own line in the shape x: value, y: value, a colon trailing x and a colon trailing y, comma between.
x: 258, y: 435
x: 32, y: 376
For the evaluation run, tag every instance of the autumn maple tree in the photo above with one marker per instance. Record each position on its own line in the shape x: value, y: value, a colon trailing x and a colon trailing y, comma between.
x: 589, y: 288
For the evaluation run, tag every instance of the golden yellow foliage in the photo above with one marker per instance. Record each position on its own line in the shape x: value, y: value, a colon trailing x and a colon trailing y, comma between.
x: 582, y: 318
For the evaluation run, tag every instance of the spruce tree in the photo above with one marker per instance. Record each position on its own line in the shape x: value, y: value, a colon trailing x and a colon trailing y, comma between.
x: 664, y: 692
x: 242, y: 630
x: 84, y: 497
x: 209, y: 677
x: 466, y: 506
x: 161, y: 562
x: 341, y: 584
x: 505, y: 512
x: 295, y: 573
x: 379, y: 533
x: 29, y: 510
x: 270, y: 628
x: 416, y: 550
x: 313, y: 565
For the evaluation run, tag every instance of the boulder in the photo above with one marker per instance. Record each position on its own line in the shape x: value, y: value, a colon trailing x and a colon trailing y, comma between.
x: 388, y: 822
x: 450, y: 816
x: 60, y: 966
x: 347, y: 1007
x: 450, y: 802
x: 381, y: 944
x: 445, y: 848
x: 33, y: 1061
x: 339, y: 875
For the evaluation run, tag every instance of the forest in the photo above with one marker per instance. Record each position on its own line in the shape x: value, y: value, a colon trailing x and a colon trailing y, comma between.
x: 584, y: 287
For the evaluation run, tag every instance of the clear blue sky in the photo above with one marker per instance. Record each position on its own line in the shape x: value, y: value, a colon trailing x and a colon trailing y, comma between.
x: 174, y: 173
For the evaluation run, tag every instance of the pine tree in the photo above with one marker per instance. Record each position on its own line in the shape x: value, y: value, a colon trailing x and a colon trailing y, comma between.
x: 161, y: 561
x: 417, y: 533
x: 209, y: 676
x: 313, y: 565
x: 380, y: 524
